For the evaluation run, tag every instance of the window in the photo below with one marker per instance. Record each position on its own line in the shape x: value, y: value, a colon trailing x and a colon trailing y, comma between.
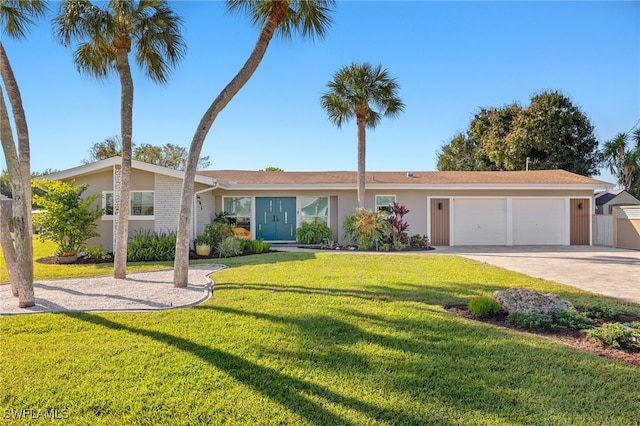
x: 315, y: 209
x: 385, y: 202
x: 239, y: 209
x: 141, y: 205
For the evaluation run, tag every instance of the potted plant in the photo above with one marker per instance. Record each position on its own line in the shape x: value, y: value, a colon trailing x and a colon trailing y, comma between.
x: 203, y: 244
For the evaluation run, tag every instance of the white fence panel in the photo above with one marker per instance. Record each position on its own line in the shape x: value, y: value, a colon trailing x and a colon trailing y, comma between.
x: 603, y: 230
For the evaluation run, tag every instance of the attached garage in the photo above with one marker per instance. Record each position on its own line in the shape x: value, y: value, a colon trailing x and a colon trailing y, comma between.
x: 504, y: 220
x: 539, y: 221
x: 479, y: 221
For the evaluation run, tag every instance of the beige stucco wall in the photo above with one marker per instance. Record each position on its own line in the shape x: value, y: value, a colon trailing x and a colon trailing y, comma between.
x: 626, y: 227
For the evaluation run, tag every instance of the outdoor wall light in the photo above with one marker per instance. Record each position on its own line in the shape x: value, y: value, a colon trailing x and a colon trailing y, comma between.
x: 580, y: 206
x: 440, y: 205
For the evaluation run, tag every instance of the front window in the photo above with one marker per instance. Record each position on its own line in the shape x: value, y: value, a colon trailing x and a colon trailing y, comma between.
x: 315, y: 209
x: 239, y: 210
x: 385, y: 202
x: 141, y: 204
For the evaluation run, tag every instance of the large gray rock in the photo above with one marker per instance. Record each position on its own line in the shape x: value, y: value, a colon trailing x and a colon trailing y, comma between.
x: 527, y: 301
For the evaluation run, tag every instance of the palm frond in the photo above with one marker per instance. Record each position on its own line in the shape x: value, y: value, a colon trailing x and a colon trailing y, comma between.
x: 16, y: 16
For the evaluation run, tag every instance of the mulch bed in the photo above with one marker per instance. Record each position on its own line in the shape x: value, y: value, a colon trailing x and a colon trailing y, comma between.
x: 573, y: 338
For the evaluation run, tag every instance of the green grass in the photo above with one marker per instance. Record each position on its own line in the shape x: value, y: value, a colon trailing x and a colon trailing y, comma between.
x: 299, y: 338
x: 45, y: 271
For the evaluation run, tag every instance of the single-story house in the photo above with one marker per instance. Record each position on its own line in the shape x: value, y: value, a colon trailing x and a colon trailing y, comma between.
x: 607, y: 200
x: 536, y: 207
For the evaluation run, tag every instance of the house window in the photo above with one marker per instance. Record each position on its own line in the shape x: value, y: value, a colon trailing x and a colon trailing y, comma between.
x: 140, y: 207
x: 385, y: 202
x: 315, y: 209
x: 239, y: 210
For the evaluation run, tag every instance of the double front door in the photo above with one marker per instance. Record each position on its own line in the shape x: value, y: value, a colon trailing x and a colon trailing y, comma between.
x: 276, y: 218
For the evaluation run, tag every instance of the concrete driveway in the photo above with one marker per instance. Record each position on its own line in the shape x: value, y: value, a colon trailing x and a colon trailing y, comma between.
x: 602, y: 270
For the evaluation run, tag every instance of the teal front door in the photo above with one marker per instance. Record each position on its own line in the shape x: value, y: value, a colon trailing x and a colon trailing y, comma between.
x: 276, y: 218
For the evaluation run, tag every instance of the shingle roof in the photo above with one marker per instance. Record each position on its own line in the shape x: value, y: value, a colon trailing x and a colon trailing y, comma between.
x: 350, y: 177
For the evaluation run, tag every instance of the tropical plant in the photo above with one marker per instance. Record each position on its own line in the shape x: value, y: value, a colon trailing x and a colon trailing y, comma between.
x: 366, y: 229
x: 148, y: 246
x: 398, y: 226
x: 67, y: 219
x: 624, y: 162
x: 106, y: 36
x: 286, y: 17
x: 16, y: 16
x: 314, y: 232
x: 356, y: 91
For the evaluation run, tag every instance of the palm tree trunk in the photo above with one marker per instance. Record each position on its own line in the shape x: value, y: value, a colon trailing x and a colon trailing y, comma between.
x: 362, y: 155
x: 126, y: 130
x: 20, y: 175
x: 181, y: 263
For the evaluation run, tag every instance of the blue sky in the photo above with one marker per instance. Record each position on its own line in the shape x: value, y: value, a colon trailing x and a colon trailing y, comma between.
x: 450, y: 59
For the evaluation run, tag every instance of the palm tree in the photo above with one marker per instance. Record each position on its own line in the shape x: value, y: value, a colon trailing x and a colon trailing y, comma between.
x: 624, y: 163
x: 286, y: 17
x: 16, y: 17
x: 353, y: 92
x: 105, y: 39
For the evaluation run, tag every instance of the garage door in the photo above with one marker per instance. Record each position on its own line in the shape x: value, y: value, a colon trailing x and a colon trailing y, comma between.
x: 478, y: 221
x: 538, y: 221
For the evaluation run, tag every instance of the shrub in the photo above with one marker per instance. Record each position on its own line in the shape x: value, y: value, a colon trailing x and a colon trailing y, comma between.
x: 601, y: 310
x: 398, y: 226
x: 420, y: 241
x: 68, y: 219
x: 484, y: 306
x: 216, y: 232
x: 366, y: 228
x: 617, y: 335
x: 572, y: 319
x: 230, y: 247
x: 256, y: 246
x: 530, y: 320
x: 314, y: 232
x: 149, y: 246
x: 96, y: 252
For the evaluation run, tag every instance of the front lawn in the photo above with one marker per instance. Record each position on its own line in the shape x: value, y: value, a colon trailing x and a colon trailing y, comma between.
x: 323, y: 339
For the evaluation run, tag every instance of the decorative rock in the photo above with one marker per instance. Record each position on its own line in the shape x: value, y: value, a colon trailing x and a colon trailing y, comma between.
x: 526, y: 300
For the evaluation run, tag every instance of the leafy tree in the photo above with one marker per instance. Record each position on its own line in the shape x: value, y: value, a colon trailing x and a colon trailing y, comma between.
x: 110, y: 147
x: 16, y: 16
x: 272, y: 169
x: 463, y: 153
x: 106, y: 37
x: 67, y: 219
x: 308, y: 17
x: 624, y: 162
x: 551, y: 133
x: 366, y: 93
x: 168, y: 155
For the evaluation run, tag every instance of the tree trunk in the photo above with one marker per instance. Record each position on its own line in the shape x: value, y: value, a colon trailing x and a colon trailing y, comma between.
x: 126, y: 130
x: 8, y: 250
x: 20, y: 175
x: 181, y: 264
x: 362, y: 155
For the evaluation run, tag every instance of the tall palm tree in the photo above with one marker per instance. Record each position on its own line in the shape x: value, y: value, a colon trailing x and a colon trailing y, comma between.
x: 354, y: 92
x: 106, y: 37
x: 285, y: 17
x: 624, y: 162
x: 16, y: 17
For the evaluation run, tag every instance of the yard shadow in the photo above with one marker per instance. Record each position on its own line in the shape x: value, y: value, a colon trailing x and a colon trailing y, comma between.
x: 290, y: 392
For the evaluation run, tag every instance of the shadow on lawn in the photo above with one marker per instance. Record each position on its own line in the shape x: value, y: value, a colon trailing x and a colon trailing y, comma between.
x: 288, y: 391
